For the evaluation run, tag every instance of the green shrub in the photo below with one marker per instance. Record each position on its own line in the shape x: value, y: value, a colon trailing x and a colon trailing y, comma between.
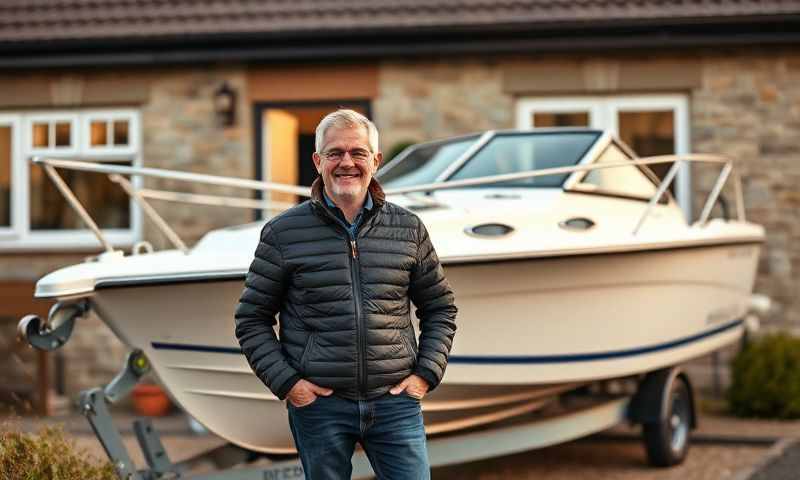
x: 47, y: 455
x: 766, y: 378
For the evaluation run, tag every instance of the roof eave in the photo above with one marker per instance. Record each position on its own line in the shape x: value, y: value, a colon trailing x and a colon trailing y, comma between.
x: 408, y: 42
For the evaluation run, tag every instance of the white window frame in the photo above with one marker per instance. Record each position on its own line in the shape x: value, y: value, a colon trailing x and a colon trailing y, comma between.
x: 16, y: 193
x: 603, y: 115
x: 52, y: 119
x: 20, y: 236
x: 108, y: 116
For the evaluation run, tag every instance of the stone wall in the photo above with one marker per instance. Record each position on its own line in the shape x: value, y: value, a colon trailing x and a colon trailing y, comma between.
x: 749, y: 108
x: 743, y: 104
x: 179, y: 131
x: 426, y: 101
x: 93, y: 356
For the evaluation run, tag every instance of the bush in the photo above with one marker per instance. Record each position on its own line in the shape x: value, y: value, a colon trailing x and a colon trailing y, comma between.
x: 47, y: 455
x: 766, y: 378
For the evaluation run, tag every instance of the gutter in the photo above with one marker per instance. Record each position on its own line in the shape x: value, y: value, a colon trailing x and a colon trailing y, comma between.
x: 410, y: 43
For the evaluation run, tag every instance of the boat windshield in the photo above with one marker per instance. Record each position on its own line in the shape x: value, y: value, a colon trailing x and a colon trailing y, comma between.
x: 522, y: 152
x: 424, y: 163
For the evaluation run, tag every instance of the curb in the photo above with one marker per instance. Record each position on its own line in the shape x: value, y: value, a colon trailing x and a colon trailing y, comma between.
x: 772, y: 454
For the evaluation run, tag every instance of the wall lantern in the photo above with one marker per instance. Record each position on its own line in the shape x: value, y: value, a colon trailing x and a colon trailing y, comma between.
x: 225, y: 105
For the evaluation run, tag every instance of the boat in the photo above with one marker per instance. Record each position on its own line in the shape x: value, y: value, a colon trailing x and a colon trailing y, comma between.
x: 570, y: 260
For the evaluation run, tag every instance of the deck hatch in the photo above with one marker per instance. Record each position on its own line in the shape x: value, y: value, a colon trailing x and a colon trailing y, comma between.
x: 490, y: 230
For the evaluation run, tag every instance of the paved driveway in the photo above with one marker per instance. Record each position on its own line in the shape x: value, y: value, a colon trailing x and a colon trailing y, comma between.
x: 729, y: 448
x: 618, y: 459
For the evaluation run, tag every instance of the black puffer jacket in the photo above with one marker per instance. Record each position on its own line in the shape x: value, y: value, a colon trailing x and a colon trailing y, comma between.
x: 344, y: 306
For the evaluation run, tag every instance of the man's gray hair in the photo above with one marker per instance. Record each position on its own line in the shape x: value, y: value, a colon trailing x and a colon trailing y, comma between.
x: 346, y: 119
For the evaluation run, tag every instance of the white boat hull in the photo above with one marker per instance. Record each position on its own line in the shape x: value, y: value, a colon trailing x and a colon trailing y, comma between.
x: 528, y: 329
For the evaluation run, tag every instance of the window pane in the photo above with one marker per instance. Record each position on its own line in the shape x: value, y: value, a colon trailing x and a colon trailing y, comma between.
x: 62, y: 134
x: 105, y: 201
x: 98, y: 134
x: 564, y: 119
x: 121, y: 132
x: 424, y: 164
x: 649, y: 133
x: 5, y: 176
x: 514, y: 153
x: 41, y: 135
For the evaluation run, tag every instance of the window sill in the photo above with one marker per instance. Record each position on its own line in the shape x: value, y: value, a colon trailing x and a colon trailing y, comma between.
x: 65, y: 242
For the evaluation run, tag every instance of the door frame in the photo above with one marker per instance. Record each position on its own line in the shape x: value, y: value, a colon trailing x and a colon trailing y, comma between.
x: 260, y: 168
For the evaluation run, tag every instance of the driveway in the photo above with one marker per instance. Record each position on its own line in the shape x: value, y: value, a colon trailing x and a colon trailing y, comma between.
x: 723, y: 447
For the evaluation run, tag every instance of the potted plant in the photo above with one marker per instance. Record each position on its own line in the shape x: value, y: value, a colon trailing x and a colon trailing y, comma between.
x: 150, y: 399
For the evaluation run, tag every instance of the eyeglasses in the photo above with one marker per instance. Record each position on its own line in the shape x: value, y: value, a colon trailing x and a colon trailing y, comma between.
x: 357, y: 154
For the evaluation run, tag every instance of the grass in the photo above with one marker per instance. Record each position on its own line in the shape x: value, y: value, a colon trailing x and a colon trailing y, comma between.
x: 47, y: 455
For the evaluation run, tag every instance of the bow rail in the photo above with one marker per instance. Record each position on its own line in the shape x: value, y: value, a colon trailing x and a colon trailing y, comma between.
x: 116, y: 173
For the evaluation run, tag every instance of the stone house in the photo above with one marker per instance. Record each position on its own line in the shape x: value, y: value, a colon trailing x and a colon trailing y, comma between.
x: 236, y: 88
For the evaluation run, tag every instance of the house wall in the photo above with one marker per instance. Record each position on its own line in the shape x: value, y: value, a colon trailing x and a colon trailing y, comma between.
x: 743, y: 104
x: 420, y: 101
x: 178, y: 131
x: 749, y: 108
x: 304, y: 83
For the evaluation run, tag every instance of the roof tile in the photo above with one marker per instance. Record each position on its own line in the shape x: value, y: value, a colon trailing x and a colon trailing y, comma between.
x: 24, y: 21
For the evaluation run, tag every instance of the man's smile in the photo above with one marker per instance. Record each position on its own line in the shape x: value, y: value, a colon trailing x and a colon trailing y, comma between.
x: 348, y: 175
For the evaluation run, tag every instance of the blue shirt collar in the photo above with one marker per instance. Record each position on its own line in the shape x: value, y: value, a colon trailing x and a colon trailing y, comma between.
x: 367, y: 203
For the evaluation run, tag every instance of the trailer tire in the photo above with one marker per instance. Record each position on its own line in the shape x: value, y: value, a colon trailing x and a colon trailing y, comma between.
x: 667, y: 439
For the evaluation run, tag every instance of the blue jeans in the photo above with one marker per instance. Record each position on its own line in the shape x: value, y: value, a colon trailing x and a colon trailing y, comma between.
x: 389, y: 428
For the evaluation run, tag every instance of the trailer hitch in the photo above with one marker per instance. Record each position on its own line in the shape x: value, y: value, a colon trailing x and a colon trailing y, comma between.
x: 54, y: 333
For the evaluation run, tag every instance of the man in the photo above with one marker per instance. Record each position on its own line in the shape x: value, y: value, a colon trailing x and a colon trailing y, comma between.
x: 341, y: 269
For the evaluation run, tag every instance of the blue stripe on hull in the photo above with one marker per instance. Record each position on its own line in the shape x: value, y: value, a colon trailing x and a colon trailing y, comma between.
x: 503, y: 359
x: 195, y: 348
x: 587, y: 357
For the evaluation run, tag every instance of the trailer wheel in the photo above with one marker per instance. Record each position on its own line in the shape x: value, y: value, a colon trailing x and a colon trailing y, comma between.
x: 667, y: 439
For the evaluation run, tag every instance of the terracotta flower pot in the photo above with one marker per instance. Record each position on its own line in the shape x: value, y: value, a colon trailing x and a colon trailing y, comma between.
x: 150, y: 400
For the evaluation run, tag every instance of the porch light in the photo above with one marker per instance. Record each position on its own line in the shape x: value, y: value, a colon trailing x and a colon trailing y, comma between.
x: 225, y: 105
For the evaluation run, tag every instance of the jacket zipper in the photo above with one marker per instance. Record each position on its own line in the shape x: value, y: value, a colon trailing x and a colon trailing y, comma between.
x: 360, y: 327
x: 355, y: 276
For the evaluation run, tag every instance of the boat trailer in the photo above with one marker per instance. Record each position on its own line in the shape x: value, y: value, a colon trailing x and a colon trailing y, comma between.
x: 663, y: 404
x: 536, y: 432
